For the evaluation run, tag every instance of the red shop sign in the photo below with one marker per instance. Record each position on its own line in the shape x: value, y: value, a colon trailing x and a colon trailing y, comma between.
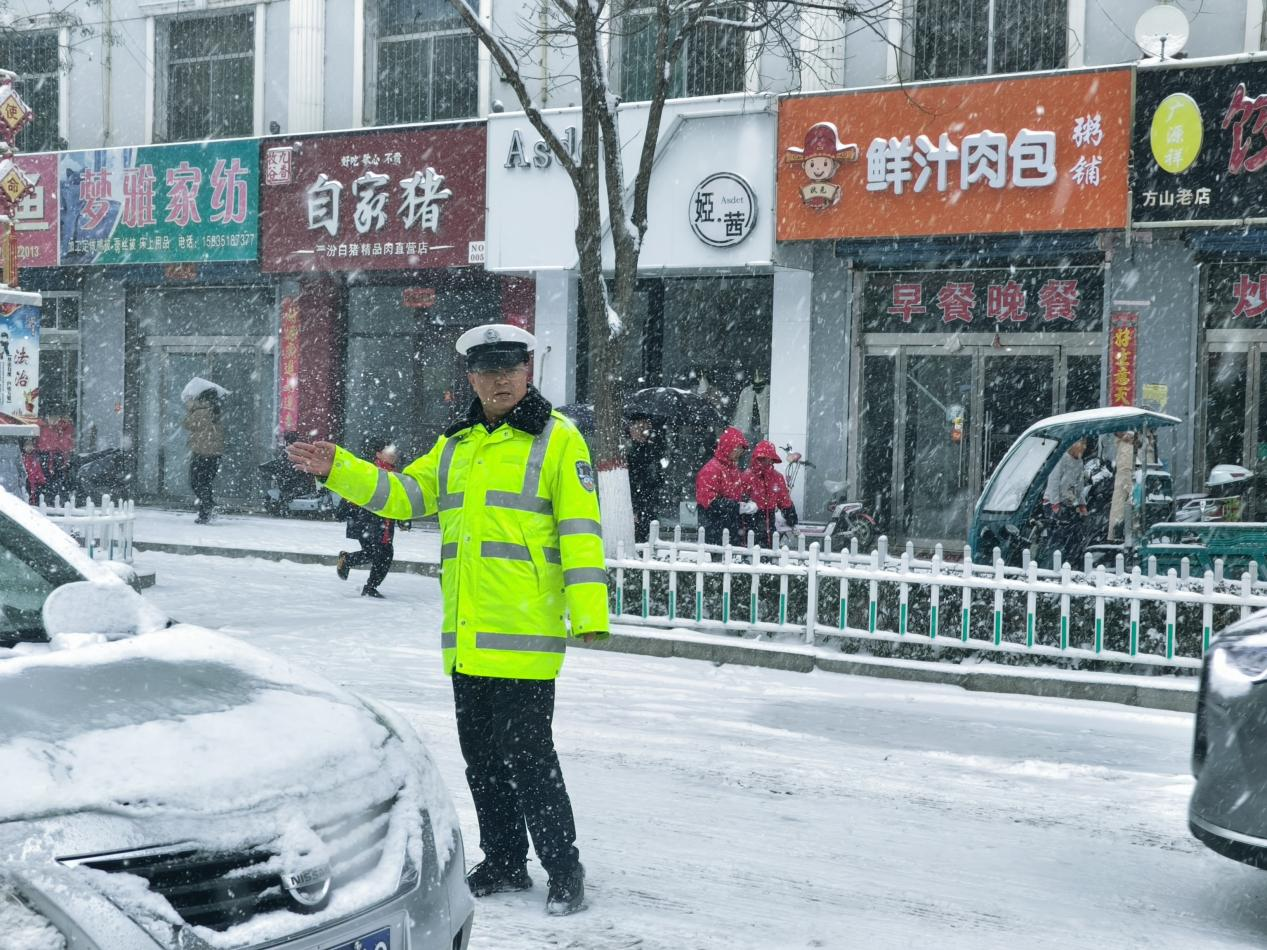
x: 1123, y: 343
x: 288, y: 365
x: 392, y: 200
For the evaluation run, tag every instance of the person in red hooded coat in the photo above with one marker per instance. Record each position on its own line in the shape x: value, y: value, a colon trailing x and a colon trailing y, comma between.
x: 768, y: 490
x: 720, y: 489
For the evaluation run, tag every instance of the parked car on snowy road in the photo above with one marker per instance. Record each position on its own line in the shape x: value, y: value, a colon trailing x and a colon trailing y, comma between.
x: 168, y: 786
x: 1228, y: 809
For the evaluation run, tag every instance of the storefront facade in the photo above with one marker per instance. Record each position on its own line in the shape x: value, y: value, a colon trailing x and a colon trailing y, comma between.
x: 376, y: 240
x: 962, y: 239
x: 1200, y: 197
x: 713, y: 304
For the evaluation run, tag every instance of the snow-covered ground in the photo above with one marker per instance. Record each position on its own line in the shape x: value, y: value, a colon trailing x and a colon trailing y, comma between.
x: 258, y: 532
x: 722, y: 808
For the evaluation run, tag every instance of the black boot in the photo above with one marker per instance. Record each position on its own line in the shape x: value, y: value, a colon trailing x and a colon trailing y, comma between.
x: 567, y: 893
x: 371, y: 592
x: 341, y: 566
x: 486, y: 878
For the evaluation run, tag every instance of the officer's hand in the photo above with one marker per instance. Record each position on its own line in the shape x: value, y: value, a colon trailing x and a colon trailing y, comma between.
x: 588, y: 638
x: 315, y: 459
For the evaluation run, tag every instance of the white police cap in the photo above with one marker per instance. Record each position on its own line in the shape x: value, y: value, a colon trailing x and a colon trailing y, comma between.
x: 495, y: 345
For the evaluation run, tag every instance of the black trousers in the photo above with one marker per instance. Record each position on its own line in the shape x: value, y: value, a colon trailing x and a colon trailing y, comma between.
x: 202, y: 473
x: 377, y: 555
x: 505, y: 731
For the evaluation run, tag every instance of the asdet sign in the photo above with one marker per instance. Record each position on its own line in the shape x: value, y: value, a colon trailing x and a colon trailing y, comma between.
x: 395, y: 200
x: 1044, y: 153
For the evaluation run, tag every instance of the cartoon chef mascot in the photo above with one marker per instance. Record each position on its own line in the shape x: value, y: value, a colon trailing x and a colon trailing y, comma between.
x: 820, y: 159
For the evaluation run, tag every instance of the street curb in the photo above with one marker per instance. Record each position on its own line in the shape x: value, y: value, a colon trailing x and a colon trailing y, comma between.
x: 722, y: 652
x: 399, y: 566
x: 802, y: 660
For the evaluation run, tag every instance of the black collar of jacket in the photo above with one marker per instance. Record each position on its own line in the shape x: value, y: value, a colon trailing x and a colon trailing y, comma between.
x: 529, y: 415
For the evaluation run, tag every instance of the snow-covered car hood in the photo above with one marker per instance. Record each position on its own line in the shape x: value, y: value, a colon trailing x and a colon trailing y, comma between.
x: 184, y: 723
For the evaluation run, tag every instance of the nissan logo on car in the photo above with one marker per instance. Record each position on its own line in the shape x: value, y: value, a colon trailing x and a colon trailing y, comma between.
x: 308, y: 888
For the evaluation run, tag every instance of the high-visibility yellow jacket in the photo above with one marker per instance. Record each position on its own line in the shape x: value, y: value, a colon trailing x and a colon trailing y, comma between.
x: 521, y: 543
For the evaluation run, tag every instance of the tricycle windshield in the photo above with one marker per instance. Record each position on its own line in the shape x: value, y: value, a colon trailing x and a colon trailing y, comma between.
x: 1017, y: 472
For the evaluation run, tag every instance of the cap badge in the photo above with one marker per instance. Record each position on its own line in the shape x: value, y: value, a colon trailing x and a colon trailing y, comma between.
x: 491, y: 335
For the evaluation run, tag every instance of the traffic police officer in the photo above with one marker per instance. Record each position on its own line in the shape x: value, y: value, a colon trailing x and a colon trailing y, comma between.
x: 521, y: 546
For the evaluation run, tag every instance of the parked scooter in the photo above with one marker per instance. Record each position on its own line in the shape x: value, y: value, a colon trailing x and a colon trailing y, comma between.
x: 291, y: 493
x: 844, y: 519
x: 104, y: 472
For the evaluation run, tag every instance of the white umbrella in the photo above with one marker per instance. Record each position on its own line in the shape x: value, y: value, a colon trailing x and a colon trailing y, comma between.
x: 197, y: 386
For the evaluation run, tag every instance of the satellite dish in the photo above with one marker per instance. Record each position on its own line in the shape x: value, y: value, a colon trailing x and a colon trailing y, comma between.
x: 1162, y: 31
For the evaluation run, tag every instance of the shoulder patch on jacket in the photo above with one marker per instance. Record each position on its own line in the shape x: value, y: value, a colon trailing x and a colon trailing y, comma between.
x: 585, y: 475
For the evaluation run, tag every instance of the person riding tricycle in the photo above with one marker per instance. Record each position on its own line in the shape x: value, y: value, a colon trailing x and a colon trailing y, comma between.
x: 1072, y: 483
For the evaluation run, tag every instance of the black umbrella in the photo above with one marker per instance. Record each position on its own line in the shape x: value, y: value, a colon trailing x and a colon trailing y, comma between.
x: 675, y: 408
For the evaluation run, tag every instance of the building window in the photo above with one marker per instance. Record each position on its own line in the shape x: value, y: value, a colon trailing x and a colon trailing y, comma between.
x: 424, y: 63
x: 209, y: 92
x: 712, y: 61
x: 35, y: 58
x: 975, y: 37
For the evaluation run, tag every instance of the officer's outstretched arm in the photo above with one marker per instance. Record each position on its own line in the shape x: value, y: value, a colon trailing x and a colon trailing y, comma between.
x: 580, y: 537
x: 411, y: 494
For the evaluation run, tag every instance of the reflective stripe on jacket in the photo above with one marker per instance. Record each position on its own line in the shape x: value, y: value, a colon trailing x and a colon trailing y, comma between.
x: 521, y: 542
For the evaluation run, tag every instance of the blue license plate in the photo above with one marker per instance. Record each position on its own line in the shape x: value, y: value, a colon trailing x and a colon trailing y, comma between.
x: 378, y: 940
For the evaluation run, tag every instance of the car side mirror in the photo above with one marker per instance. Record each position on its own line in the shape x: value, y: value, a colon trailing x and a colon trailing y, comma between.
x: 112, y: 610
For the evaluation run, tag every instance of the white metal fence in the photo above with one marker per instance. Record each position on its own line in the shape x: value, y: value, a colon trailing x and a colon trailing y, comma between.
x: 817, y: 594
x: 103, y: 530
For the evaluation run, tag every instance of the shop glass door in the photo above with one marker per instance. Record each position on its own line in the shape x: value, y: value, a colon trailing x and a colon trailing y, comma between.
x: 937, y: 477
x: 1018, y: 390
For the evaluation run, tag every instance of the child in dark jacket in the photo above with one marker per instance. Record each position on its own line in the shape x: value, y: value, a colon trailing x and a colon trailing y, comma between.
x: 374, y: 534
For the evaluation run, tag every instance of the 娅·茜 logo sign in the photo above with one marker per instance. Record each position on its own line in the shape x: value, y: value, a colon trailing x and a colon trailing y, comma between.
x: 723, y: 210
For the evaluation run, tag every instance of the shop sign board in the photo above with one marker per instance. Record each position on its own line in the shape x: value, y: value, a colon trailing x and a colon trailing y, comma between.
x: 723, y: 209
x: 1235, y: 296
x: 382, y: 200
x: 19, y: 359
x: 288, y: 364
x: 1007, y: 300
x: 1200, y: 145
x: 1123, y: 345
x: 160, y: 204
x: 994, y: 156
x: 36, y: 219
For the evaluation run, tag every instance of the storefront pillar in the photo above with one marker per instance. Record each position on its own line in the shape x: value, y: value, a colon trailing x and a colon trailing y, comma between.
x: 555, y: 321
x: 789, y: 371
x: 102, y: 371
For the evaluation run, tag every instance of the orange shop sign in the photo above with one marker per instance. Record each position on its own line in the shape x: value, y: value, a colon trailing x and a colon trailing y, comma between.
x: 1044, y: 153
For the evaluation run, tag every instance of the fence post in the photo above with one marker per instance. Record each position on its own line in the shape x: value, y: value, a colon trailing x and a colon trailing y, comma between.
x: 1152, y: 567
x: 904, y: 592
x: 1135, y: 582
x: 1056, y: 561
x: 1119, y: 564
x: 844, y: 592
x: 1031, y: 604
x: 1064, y: 606
x: 1218, y: 572
x: 910, y: 550
x: 783, y: 587
x: 699, y: 576
x: 934, y: 594
x: 1247, y: 591
x: 754, y: 579
x: 653, y: 537
x: 725, y: 590
x: 1207, y: 613
x: 1087, y: 566
x: 873, y: 591
x: 1025, y: 556
x: 1099, y: 609
x: 651, y: 544
x: 882, y: 546
x: 998, y: 598
x: 646, y: 582
x: 811, y: 594
x: 1184, y: 569
x: 620, y: 578
x: 1170, y: 615
x: 966, y: 622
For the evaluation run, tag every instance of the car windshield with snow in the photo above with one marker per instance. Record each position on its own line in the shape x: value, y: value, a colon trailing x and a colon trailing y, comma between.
x: 168, y: 786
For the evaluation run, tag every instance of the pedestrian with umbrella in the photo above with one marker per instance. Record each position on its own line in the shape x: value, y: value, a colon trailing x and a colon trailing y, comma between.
x: 205, y: 431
